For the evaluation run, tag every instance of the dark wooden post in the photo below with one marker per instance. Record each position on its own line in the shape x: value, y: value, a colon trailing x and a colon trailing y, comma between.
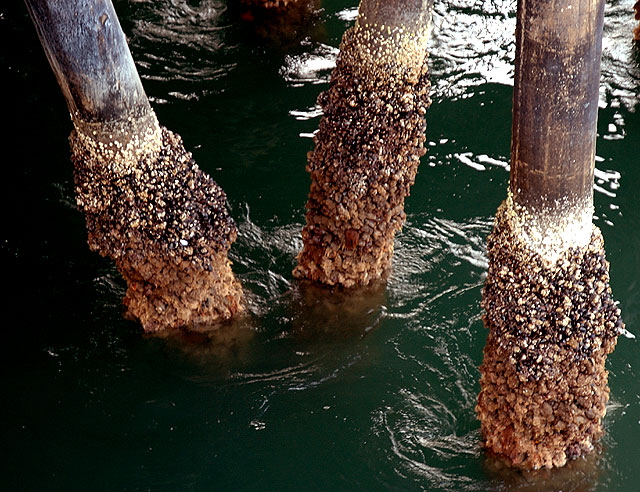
x: 548, y: 305
x: 90, y: 58
x: 555, y: 104
x: 368, y: 145
x: 147, y: 205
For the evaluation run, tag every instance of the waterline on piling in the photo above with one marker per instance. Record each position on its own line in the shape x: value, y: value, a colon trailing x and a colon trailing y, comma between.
x: 554, y: 228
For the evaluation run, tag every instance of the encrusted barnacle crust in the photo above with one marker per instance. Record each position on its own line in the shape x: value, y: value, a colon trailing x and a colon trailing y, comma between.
x: 551, y: 326
x: 162, y: 220
x: 366, y: 154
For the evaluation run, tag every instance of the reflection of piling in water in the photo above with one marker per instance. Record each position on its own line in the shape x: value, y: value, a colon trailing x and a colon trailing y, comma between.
x: 318, y: 312
x: 270, y: 4
x: 147, y: 204
x: 577, y: 476
x: 548, y: 306
x: 368, y: 145
x: 636, y: 31
x: 282, y: 22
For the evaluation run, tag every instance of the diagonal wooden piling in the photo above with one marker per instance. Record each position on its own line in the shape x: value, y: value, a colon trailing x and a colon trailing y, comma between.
x: 548, y: 305
x: 368, y: 145
x: 147, y: 205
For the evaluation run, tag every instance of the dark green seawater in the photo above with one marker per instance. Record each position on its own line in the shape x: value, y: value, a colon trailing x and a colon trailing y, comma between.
x: 316, y: 390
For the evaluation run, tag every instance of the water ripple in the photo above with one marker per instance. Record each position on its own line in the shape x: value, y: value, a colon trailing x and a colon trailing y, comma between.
x: 620, y: 74
x: 176, y: 40
x: 451, y: 253
x: 263, y: 259
x: 473, y: 42
x: 313, y: 66
x: 287, y: 376
x: 423, y: 439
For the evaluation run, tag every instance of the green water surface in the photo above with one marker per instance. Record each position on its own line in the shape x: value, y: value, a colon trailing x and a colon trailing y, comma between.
x: 316, y: 391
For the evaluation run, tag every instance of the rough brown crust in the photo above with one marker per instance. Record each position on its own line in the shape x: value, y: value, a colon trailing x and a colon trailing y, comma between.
x: 366, y: 155
x: 151, y: 209
x: 543, y: 377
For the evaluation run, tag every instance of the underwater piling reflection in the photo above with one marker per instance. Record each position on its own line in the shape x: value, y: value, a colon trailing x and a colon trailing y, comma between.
x: 318, y: 312
x: 636, y: 31
x: 578, y: 475
x: 279, y: 22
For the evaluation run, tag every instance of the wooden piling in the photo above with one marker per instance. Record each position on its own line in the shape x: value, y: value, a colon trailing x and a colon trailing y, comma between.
x: 147, y: 205
x: 555, y: 109
x: 548, y: 305
x: 555, y: 102
x: 368, y: 145
x: 89, y: 55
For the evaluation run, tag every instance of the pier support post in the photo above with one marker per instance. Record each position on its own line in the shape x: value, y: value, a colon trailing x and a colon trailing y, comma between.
x: 548, y: 305
x: 368, y: 146
x: 147, y: 205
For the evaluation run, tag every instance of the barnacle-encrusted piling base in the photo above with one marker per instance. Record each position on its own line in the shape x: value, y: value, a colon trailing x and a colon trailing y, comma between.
x: 150, y: 208
x: 366, y: 155
x: 551, y: 326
